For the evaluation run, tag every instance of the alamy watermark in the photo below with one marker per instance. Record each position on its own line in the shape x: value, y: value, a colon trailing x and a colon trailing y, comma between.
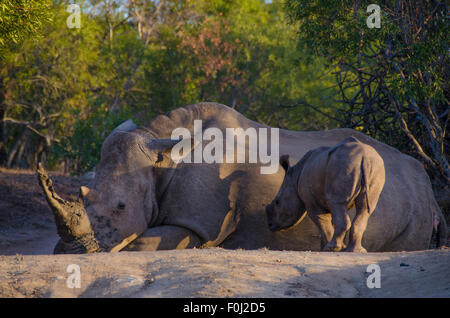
x: 73, y: 20
x: 224, y: 149
x: 374, y: 20
x: 74, y: 279
x: 374, y: 279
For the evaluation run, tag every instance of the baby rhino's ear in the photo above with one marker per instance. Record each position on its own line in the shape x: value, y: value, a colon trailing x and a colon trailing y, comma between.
x: 284, y: 162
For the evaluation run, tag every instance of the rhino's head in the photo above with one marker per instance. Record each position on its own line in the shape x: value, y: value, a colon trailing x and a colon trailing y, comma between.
x: 287, y: 208
x: 121, y: 200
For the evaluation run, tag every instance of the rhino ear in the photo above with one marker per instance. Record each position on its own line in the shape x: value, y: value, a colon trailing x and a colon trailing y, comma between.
x: 159, y: 149
x: 284, y: 162
x: 162, y: 146
x: 127, y: 125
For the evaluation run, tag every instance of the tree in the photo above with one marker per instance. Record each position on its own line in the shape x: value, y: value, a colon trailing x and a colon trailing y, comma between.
x: 245, y: 56
x: 18, y: 19
x: 21, y: 18
x: 68, y: 88
x: 392, y: 81
x: 48, y: 85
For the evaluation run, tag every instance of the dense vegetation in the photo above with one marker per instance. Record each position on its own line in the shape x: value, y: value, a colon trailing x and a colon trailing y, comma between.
x: 64, y: 89
x: 393, y: 81
x: 297, y: 64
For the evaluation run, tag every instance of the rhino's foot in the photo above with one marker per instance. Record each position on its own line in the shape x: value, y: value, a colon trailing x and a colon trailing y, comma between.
x: 333, y: 247
x: 356, y: 249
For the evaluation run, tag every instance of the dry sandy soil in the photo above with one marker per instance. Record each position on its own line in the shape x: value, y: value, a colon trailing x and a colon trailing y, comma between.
x: 28, y: 235
x: 224, y: 273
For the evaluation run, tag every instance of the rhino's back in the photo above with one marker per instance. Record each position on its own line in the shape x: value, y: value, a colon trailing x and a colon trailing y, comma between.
x: 201, y: 196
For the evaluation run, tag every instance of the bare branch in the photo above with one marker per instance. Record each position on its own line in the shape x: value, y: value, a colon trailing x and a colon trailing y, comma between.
x: 312, y: 107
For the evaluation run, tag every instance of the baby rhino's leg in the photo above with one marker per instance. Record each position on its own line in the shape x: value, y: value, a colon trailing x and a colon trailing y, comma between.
x: 323, y: 222
x: 342, y: 223
x: 359, y: 225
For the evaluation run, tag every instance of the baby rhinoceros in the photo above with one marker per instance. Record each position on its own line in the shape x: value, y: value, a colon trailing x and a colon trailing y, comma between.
x: 327, y: 182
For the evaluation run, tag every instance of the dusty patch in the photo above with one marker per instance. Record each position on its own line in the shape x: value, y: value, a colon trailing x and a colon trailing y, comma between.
x: 27, y: 227
x: 224, y: 273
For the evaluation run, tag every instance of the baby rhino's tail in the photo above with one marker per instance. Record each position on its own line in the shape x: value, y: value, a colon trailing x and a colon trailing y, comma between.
x: 372, y: 179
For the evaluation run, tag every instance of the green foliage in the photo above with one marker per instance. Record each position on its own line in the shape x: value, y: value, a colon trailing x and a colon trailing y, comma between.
x: 21, y: 18
x: 47, y: 80
x: 271, y: 60
x: 66, y: 89
x: 393, y: 80
x: 81, y: 149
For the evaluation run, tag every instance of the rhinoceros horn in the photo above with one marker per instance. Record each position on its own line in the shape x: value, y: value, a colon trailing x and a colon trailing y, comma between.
x: 71, y: 219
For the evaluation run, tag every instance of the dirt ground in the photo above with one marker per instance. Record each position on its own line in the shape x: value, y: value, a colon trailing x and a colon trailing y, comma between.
x: 26, y: 222
x: 27, y: 268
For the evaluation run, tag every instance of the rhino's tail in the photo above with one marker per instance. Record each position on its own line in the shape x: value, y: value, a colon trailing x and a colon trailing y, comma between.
x: 365, y: 185
x: 372, y: 180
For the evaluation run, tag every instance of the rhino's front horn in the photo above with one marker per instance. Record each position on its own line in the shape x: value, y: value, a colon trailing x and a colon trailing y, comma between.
x: 71, y: 219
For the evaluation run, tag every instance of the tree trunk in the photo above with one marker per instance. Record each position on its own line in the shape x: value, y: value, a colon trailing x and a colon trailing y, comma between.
x: 17, y: 145
x: 21, y: 150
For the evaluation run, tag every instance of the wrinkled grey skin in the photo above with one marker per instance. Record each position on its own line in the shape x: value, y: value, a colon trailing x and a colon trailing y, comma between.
x: 122, y: 198
x: 327, y: 182
x: 138, y: 189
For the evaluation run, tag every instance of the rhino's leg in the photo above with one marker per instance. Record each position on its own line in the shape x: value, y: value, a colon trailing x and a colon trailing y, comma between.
x: 324, y: 223
x: 342, y: 223
x: 164, y: 237
x: 359, y: 225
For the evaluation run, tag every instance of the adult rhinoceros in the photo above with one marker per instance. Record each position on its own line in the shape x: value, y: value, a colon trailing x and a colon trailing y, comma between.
x: 138, y: 189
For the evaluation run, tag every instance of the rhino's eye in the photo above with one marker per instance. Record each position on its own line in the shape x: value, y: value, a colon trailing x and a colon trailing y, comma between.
x: 277, y: 202
x: 121, y: 206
